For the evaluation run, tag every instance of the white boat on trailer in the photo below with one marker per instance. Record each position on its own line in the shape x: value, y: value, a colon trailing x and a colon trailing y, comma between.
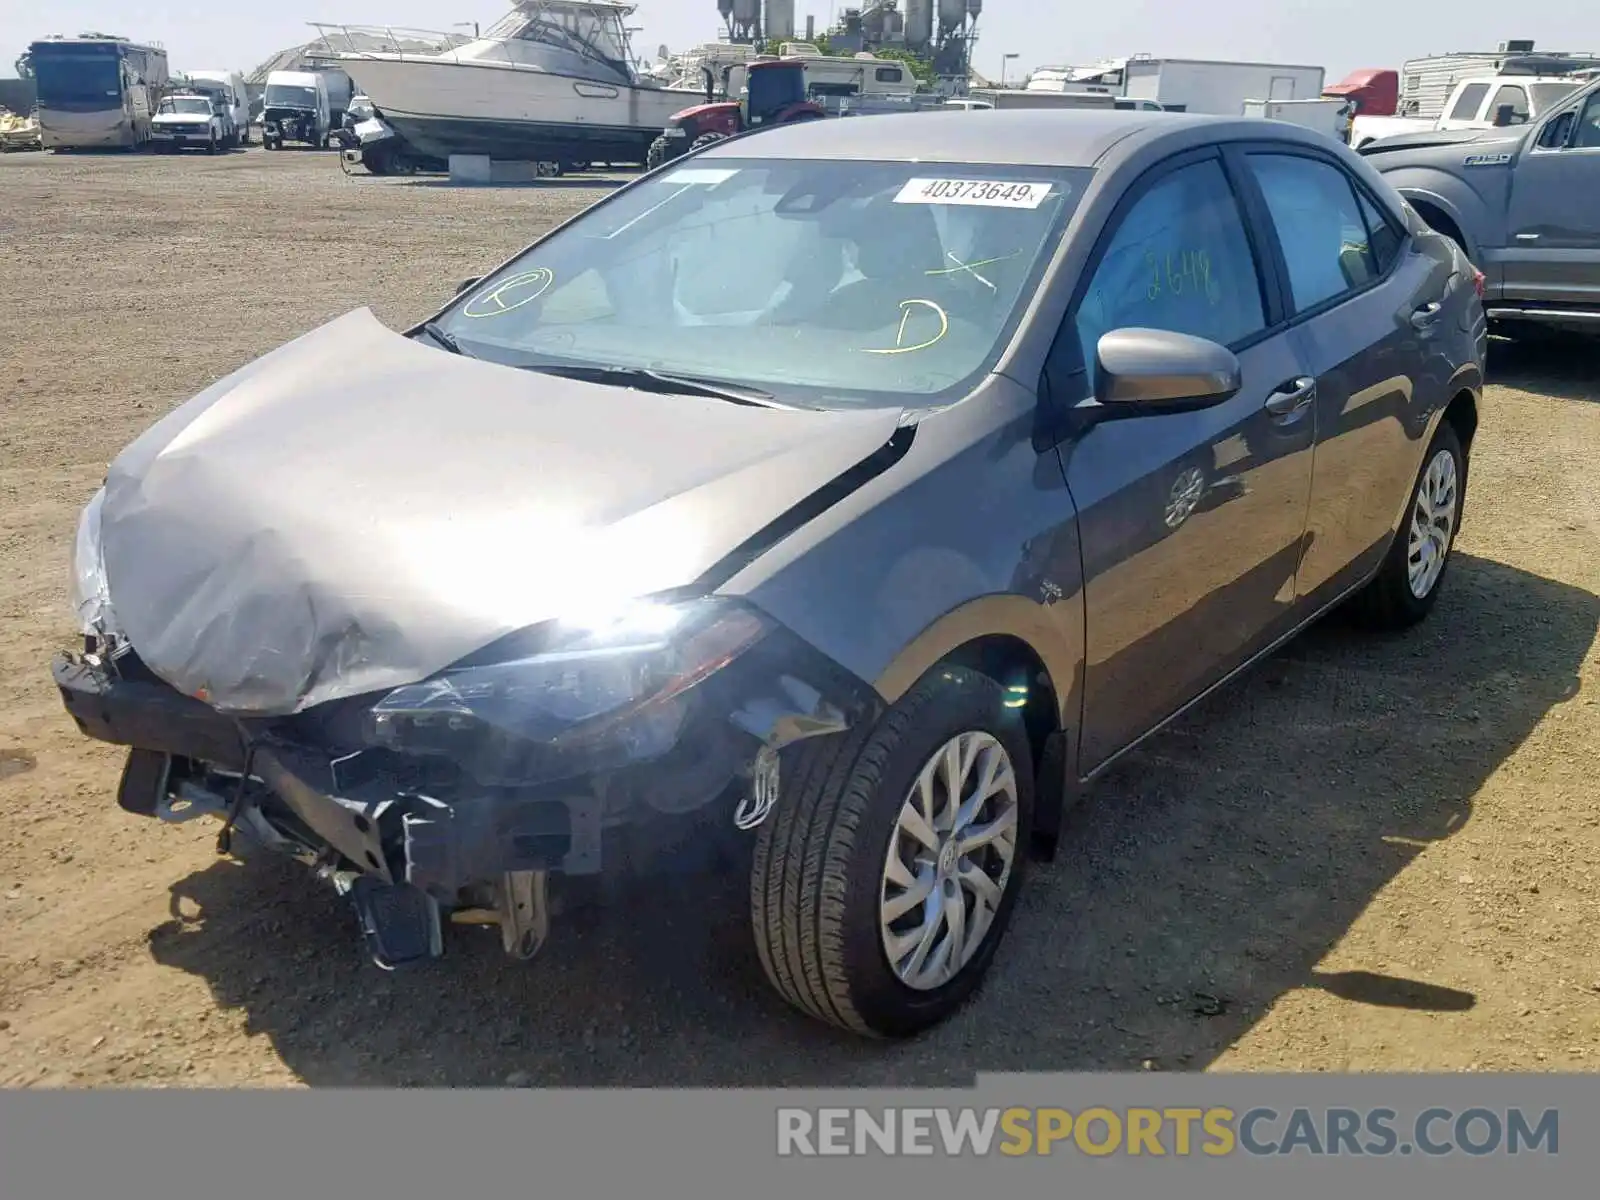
x: 553, y: 81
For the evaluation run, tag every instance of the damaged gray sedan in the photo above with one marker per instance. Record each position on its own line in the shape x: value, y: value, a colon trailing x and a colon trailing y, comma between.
x: 847, y: 497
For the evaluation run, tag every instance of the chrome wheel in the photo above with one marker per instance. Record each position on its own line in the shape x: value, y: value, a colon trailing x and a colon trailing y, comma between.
x: 949, y: 862
x: 1433, y: 521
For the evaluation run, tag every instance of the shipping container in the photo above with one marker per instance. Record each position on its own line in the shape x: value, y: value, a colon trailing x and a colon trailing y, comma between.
x: 1205, y: 86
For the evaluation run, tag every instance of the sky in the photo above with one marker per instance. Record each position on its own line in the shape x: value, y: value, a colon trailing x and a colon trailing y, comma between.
x: 1339, y: 35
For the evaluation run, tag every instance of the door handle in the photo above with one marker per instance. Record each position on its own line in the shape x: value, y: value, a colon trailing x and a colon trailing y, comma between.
x: 1426, y: 315
x: 1292, y: 397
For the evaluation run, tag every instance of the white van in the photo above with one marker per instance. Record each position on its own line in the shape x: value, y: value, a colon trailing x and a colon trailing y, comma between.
x: 228, y: 87
x: 295, y: 108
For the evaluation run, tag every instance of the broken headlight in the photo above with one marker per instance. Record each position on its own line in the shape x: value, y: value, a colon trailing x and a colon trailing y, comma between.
x: 91, y: 599
x: 580, y: 698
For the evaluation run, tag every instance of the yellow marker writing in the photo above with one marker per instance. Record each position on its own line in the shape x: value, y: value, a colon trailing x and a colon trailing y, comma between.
x: 905, y: 317
x: 972, y: 266
x: 508, y: 295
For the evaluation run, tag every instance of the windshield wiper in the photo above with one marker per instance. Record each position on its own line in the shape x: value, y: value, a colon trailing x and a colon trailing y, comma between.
x: 664, y: 381
x: 443, y: 336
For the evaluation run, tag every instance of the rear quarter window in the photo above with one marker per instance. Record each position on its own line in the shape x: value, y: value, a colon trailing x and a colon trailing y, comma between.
x: 1469, y: 102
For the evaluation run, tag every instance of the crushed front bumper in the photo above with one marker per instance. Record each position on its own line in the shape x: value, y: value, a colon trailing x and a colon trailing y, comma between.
x: 411, y: 839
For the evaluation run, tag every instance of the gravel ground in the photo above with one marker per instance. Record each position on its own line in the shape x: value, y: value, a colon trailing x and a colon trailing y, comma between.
x: 1369, y: 855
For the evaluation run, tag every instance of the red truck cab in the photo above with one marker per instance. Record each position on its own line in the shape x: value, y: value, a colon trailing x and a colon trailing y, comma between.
x: 1376, y: 91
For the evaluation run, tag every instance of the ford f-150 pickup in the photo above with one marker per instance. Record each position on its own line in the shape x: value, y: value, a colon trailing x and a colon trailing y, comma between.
x: 1521, y: 201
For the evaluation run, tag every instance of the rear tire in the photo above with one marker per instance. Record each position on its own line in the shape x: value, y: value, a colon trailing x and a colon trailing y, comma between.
x: 657, y: 154
x: 1413, y: 573
x: 823, y: 882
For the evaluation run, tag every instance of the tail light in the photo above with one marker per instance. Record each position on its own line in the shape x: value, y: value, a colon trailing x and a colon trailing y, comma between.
x: 1477, y: 283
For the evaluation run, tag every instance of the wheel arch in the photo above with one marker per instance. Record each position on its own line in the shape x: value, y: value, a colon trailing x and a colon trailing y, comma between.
x: 1462, y: 414
x: 1016, y: 642
x: 1446, y: 206
x: 1440, y: 220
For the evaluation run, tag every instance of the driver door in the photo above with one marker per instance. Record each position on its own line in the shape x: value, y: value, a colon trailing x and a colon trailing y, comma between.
x: 1191, y: 523
x: 1552, y: 254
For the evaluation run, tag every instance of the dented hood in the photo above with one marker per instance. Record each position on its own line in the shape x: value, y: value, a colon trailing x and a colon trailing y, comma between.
x: 358, y: 510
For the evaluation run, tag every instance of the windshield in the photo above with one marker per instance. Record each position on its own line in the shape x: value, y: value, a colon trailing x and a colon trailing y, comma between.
x: 829, y: 284
x: 1547, y: 95
x: 196, y: 105
x: 283, y: 95
x: 79, y: 80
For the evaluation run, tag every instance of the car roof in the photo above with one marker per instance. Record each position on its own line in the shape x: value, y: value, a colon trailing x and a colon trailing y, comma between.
x: 1027, y: 137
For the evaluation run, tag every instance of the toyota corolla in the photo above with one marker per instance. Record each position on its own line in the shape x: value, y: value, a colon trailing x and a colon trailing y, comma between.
x: 849, y: 495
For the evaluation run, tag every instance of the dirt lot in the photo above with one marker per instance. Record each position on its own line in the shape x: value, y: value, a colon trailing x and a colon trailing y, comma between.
x: 1371, y: 855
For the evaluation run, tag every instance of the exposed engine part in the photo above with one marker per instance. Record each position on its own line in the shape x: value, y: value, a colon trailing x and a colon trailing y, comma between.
x: 524, y: 912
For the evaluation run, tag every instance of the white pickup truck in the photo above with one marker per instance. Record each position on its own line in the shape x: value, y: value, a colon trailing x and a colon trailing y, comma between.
x: 1476, y: 102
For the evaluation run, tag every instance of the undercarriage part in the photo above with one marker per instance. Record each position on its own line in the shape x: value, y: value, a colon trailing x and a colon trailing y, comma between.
x: 399, y: 923
x: 524, y: 913
x: 144, y: 782
x: 349, y: 826
x: 186, y: 801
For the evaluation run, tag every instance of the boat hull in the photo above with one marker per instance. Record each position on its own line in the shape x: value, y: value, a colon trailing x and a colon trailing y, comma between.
x: 515, y: 112
x: 520, y: 141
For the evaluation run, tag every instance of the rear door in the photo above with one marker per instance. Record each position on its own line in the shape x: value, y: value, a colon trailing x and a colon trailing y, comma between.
x: 1190, y: 523
x: 1552, y: 256
x: 1368, y: 317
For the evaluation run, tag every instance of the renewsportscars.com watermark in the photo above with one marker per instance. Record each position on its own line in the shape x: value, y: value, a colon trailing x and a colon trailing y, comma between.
x: 1165, y: 1132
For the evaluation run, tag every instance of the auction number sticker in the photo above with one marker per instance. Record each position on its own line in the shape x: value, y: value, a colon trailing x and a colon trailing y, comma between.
x: 987, y: 193
x: 703, y: 175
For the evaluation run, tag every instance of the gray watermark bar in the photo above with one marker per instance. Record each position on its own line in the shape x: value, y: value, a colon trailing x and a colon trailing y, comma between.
x: 1102, y: 1137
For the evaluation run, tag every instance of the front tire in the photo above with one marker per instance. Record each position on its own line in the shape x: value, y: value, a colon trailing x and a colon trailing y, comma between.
x: 1408, y: 584
x: 706, y: 139
x: 858, y: 920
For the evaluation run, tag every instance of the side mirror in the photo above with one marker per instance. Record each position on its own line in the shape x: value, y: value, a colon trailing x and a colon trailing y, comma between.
x: 1153, y: 370
x: 468, y: 283
x: 1503, y: 116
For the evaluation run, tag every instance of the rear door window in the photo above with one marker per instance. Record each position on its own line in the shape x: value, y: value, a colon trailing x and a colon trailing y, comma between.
x: 1327, y: 245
